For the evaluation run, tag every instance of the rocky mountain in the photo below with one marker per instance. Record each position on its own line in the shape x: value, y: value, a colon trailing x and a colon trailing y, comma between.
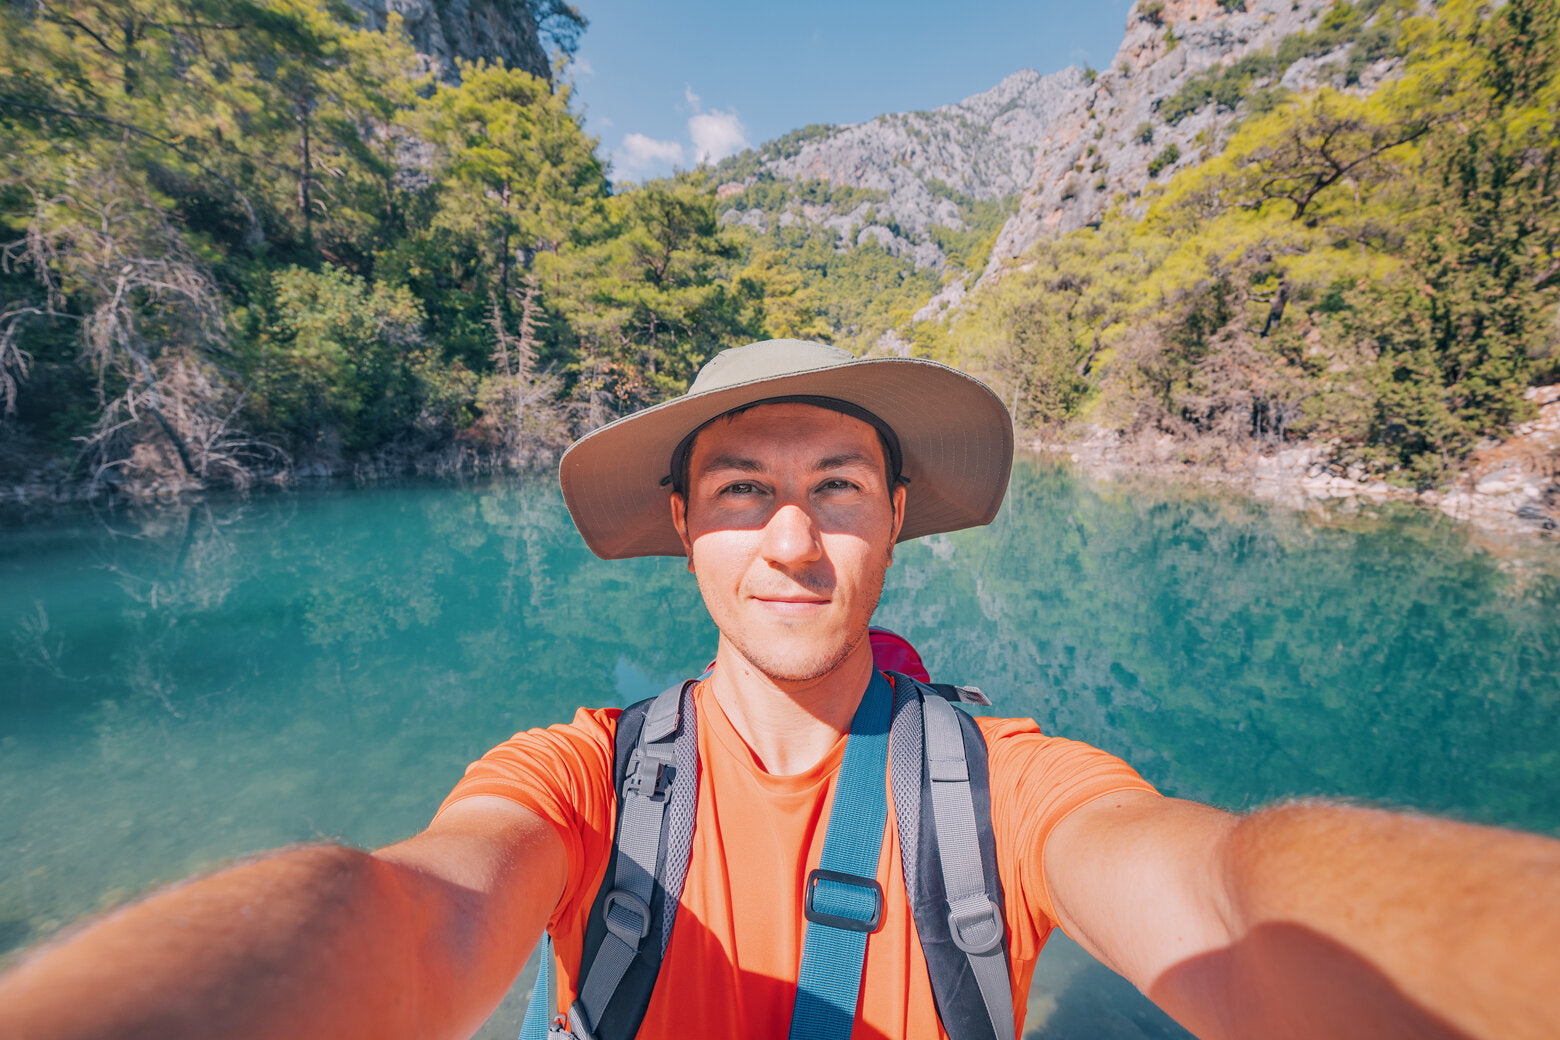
x: 912, y: 169
x: 1139, y: 119
x: 445, y: 30
x: 916, y: 165
x: 1059, y: 148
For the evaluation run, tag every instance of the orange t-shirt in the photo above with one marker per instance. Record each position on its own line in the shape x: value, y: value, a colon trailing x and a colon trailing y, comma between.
x: 736, y: 946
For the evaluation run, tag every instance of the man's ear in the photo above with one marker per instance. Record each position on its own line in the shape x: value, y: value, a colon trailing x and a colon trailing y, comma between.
x: 897, y: 499
x: 680, y: 522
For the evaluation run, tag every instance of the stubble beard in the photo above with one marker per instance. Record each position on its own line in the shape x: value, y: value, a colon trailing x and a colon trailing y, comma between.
x: 779, y: 666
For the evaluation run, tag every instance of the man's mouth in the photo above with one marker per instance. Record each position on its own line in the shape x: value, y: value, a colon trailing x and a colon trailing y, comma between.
x: 792, y: 604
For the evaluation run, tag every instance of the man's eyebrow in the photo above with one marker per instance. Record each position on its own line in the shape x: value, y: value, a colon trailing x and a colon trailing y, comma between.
x: 847, y: 459
x: 738, y: 462
x: 748, y: 465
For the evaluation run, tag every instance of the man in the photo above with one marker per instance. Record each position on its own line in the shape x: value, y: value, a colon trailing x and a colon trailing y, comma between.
x: 786, y: 476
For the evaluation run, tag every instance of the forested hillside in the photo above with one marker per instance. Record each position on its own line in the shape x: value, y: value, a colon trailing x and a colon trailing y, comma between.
x: 1375, y: 271
x: 250, y: 240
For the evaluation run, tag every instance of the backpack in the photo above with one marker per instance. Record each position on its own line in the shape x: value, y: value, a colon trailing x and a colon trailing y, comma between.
x: 949, y: 854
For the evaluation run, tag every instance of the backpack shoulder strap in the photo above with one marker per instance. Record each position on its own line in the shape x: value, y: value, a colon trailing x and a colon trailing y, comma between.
x: 938, y: 758
x: 655, y: 775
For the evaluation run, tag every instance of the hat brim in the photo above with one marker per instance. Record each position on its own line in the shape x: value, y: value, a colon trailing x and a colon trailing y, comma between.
x: 954, y: 433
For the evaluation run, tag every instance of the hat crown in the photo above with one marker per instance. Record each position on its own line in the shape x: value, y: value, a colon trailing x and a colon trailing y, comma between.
x: 766, y: 359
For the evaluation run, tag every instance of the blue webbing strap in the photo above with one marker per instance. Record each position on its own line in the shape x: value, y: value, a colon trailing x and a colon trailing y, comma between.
x: 843, y: 899
x: 541, y: 1008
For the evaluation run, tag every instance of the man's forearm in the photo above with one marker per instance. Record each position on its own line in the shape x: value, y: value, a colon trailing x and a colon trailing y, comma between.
x: 1352, y: 922
x: 418, y: 940
x: 264, y: 948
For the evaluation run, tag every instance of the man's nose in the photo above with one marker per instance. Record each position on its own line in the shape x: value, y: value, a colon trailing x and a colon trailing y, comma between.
x: 791, y: 536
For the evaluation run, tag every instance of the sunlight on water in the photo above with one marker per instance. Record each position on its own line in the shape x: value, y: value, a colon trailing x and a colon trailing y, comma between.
x: 191, y: 683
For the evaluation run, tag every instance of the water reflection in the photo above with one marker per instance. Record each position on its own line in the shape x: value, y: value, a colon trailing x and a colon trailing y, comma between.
x: 190, y: 683
x: 1239, y: 655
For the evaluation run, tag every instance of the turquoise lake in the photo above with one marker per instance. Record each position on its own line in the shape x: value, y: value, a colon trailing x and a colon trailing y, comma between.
x: 183, y: 684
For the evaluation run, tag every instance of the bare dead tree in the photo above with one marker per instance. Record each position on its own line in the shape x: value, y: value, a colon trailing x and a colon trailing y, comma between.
x: 522, y: 415
x: 1276, y: 308
x: 106, y: 257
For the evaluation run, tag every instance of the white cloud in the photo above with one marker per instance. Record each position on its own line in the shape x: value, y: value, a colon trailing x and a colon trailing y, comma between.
x: 583, y: 67
x: 640, y: 153
x: 716, y: 135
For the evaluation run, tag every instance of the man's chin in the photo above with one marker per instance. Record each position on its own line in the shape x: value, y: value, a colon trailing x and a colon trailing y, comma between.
x: 793, y: 665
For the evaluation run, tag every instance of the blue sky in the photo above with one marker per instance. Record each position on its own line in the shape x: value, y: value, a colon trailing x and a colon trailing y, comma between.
x: 666, y: 85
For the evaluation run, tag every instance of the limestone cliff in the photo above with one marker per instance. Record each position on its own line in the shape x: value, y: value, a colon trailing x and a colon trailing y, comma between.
x: 981, y: 148
x: 444, y: 30
x: 1102, y: 140
x: 1064, y: 145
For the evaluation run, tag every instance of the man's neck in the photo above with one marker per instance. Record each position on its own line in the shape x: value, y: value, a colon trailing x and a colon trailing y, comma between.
x: 790, y: 727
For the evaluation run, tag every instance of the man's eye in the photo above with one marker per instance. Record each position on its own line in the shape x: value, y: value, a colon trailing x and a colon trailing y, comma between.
x: 740, y: 488
x: 837, y: 485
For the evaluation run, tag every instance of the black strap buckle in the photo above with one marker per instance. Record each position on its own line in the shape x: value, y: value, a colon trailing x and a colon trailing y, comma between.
x: 849, y: 924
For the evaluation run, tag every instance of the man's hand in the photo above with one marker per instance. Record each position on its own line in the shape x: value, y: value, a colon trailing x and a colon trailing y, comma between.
x: 1312, y: 920
x: 420, y: 939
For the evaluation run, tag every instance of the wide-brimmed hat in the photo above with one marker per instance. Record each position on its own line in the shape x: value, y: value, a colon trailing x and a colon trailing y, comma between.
x: 955, y: 438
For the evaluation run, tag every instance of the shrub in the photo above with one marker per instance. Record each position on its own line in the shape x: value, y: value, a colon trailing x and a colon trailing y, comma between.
x: 1167, y: 157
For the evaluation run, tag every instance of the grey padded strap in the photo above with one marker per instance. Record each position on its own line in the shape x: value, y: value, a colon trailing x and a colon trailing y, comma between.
x: 661, y: 719
x: 973, y: 919
x: 904, y: 772
x: 646, y: 792
x: 681, y: 812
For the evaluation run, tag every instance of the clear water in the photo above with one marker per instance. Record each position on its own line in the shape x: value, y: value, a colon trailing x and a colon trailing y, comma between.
x: 184, y: 684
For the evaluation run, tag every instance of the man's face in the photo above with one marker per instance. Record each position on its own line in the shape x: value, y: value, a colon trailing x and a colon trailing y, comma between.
x: 789, y: 524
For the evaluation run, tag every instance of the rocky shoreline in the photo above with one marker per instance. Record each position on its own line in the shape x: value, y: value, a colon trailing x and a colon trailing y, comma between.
x: 1512, y: 487
x: 1509, y: 488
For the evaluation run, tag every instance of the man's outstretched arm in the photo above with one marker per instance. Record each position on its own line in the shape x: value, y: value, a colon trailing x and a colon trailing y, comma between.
x: 1313, y: 920
x: 420, y: 939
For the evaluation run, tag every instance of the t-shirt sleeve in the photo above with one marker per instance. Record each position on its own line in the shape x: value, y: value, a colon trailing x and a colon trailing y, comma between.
x: 1036, y: 782
x: 563, y: 774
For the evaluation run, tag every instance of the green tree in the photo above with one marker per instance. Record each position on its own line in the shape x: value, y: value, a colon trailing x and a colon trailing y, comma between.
x: 332, y: 361
x: 515, y: 173
x: 304, y: 109
x: 645, y: 300
x: 1461, y: 329
x: 790, y: 309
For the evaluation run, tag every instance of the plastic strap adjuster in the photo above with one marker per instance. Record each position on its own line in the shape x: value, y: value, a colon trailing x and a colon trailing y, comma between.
x: 633, y: 936
x: 849, y: 924
x: 976, y: 926
x: 650, y: 774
